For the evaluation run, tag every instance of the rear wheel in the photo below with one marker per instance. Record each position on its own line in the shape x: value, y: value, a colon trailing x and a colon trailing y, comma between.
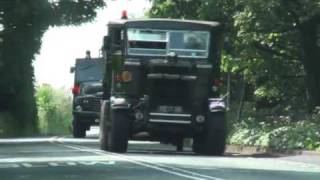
x: 79, y: 129
x: 212, y: 141
x: 179, y: 144
x: 119, y: 133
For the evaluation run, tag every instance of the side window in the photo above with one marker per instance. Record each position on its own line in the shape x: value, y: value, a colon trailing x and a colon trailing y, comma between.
x: 117, y: 37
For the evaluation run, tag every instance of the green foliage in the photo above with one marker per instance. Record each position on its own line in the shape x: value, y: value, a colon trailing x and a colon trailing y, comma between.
x: 264, y: 42
x: 22, y: 24
x: 277, y: 132
x: 291, y: 135
x: 271, y: 51
x: 54, y: 110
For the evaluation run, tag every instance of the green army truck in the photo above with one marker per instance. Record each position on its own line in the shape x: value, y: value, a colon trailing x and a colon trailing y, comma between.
x: 87, y: 94
x: 162, y: 84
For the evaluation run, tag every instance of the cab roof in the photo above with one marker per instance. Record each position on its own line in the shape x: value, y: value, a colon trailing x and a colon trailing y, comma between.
x: 164, y: 24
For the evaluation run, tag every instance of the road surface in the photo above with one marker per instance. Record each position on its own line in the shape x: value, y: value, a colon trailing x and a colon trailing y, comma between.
x: 65, y: 158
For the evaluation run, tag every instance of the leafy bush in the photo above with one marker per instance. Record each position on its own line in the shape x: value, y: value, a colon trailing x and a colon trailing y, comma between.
x: 280, y: 135
x: 54, y: 110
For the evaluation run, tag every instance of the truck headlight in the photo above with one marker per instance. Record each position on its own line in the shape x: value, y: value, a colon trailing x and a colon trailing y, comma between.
x: 78, y: 108
x: 200, y: 119
x: 139, y: 115
x: 214, y: 88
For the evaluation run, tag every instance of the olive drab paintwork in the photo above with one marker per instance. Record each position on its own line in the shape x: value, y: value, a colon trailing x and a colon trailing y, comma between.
x: 87, y: 93
x: 117, y: 68
x: 159, y: 80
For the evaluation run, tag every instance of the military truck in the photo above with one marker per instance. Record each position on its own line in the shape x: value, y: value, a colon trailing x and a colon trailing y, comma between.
x: 162, y: 84
x: 87, y: 94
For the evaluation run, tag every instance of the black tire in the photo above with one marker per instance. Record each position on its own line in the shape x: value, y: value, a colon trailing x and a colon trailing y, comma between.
x: 213, y: 139
x: 119, y: 133
x: 179, y: 144
x: 198, y: 144
x: 103, y: 136
x: 79, y: 129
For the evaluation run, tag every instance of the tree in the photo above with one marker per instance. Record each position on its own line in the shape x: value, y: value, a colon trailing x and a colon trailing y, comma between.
x: 286, y: 30
x: 22, y: 24
x: 274, y: 44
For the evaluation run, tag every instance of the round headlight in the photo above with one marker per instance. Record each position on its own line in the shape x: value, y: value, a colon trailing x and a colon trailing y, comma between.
x: 215, y: 88
x: 78, y: 108
x: 139, y: 115
x: 200, y: 119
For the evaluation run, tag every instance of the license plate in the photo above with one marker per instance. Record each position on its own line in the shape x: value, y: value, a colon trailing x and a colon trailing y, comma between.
x: 170, y: 109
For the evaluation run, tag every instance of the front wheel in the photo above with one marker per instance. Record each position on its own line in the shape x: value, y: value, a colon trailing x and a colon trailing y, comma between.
x: 179, y: 144
x: 79, y: 129
x: 120, y: 130
x: 213, y: 140
x: 104, y: 128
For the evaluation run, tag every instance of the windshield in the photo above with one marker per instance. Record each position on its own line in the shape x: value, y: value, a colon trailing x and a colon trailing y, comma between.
x: 88, y: 70
x: 193, y: 44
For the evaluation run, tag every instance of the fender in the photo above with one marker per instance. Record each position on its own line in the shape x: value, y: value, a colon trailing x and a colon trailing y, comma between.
x: 119, y: 103
x: 104, y: 109
x: 217, y: 105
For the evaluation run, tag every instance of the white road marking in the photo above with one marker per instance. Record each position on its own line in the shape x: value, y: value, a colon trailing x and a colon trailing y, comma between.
x: 27, y: 165
x: 71, y: 163
x: 52, y: 159
x: 80, y: 141
x: 183, y: 173
x: 108, y: 163
x: 88, y: 163
x: 51, y: 164
x: 40, y: 162
x: 190, y: 172
x: 270, y: 164
x: 54, y: 164
x: 27, y: 140
x: 6, y: 166
x: 46, y: 151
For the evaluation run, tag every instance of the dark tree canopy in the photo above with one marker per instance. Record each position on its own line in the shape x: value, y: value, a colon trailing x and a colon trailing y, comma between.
x: 22, y: 24
x: 275, y: 44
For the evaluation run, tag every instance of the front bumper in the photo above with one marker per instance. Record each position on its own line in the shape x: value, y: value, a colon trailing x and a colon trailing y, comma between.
x: 87, y: 116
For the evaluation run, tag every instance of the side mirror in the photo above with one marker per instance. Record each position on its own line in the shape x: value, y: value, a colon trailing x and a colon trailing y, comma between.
x: 107, y: 43
x: 72, y: 69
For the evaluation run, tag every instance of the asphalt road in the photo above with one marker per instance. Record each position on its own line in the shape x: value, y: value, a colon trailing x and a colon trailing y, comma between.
x: 65, y: 158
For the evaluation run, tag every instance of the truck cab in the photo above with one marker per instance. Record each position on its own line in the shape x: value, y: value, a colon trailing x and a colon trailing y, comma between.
x: 162, y: 80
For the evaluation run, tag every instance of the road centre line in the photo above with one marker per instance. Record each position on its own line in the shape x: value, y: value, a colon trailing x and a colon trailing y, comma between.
x: 163, y: 168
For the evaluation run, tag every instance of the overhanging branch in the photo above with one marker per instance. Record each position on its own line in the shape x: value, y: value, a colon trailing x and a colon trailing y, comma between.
x: 258, y: 46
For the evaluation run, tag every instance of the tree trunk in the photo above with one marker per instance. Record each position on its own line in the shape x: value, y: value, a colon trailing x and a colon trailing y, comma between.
x: 21, y: 39
x: 311, y: 58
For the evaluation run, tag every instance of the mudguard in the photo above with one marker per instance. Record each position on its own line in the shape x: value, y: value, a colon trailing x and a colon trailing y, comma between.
x: 104, y: 109
x: 217, y: 105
